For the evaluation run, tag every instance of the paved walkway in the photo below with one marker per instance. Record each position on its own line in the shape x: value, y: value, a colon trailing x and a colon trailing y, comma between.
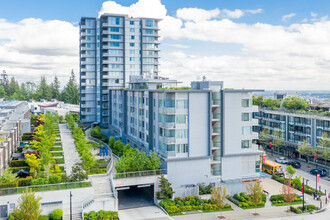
x: 149, y: 212
x: 71, y: 155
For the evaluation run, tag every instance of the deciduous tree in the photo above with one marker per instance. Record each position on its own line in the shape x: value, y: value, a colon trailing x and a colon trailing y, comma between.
x: 28, y: 206
x: 255, y: 191
x: 219, y: 194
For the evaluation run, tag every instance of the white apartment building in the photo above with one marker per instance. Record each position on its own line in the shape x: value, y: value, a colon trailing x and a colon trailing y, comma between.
x: 203, y: 134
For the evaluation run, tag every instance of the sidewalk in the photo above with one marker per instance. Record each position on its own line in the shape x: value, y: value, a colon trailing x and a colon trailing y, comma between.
x: 71, y: 155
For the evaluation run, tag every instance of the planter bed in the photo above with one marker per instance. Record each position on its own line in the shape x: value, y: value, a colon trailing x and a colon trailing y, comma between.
x: 58, y: 144
x: 57, y: 149
x: 243, y: 201
x: 57, y: 154
x: 278, y: 200
x: 60, y: 160
x: 190, y: 205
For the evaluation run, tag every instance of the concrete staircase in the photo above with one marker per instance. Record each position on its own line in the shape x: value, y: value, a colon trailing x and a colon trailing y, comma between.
x: 101, y: 186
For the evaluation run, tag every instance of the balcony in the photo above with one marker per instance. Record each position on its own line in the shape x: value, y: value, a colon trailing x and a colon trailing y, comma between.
x: 215, y: 158
x: 167, y: 125
x: 169, y: 140
x: 167, y: 110
x: 215, y: 172
x: 216, y: 116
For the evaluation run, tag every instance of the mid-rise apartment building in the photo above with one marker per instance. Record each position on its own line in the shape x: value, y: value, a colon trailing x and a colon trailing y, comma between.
x: 113, y: 47
x: 295, y: 128
x: 203, y: 134
x: 14, y: 121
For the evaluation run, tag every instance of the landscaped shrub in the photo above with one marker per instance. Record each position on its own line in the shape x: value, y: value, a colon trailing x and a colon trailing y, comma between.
x: 279, y: 179
x: 53, y: 179
x: 16, y: 169
x: 56, y: 214
x: 59, y: 160
x: 25, y: 181
x: 18, y: 163
x: 39, y: 181
x: 276, y: 197
x: 97, y: 171
x: 9, y: 185
x: 101, y: 215
x: 43, y: 217
x: 243, y: 200
x: 204, y: 189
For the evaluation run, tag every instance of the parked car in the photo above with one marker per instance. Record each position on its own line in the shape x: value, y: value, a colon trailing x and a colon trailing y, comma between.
x: 281, y: 160
x: 294, y: 164
x: 320, y: 171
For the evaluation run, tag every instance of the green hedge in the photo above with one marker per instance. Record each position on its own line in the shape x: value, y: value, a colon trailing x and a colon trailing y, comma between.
x: 243, y: 201
x: 19, y: 182
x: 298, y: 210
x: 97, y: 171
x: 18, y: 163
x: 101, y: 215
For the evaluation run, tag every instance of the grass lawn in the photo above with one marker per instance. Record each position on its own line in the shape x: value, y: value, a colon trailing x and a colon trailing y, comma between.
x: 58, y: 144
x: 286, y: 203
x: 57, y: 149
x: 204, y: 211
x: 59, y: 160
x: 62, y: 169
x: 57, y: 154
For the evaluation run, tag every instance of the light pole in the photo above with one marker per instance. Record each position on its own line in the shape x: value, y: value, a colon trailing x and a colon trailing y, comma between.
x: 202, y: 210
x: 303, y: 194
x: 70, y: 205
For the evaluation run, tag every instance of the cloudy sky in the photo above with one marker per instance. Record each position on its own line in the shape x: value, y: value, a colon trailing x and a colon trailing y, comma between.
x: 273, y: 44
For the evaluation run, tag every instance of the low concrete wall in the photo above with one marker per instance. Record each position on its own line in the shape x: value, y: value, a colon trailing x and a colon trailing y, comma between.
x: 133, y: 181
x: 78, y: 195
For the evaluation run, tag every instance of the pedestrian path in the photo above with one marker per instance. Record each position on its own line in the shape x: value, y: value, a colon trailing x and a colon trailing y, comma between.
x: 71, y: 156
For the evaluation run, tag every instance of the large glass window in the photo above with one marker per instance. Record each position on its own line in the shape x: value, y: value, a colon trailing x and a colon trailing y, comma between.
x: 182, y: 148
x: 115, y: 36
x: 181, y: 119
x: 246, y: 144
x: 114, y: 29
x: 149, y: 23
x: 246, y: 130
x: 181, y: 133
x: 149, y: 31
x: 246, y: 103
x: 115, y: 44
x: 131, y: 22
x: 114, y: 20
x: 246, y: 117
x: 181, y: 104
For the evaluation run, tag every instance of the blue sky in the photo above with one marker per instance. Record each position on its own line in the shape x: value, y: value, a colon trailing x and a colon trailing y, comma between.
x: 263, y: 44
x: 72, y: 10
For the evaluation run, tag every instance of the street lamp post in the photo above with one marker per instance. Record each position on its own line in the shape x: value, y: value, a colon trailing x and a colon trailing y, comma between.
x: 70, y: 205
x: 202, y: 210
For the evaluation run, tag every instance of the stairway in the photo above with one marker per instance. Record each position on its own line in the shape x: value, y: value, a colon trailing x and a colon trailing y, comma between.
x: 101, y: 186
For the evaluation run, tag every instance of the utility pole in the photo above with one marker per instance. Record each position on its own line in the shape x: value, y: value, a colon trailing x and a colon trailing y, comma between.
x: 70, y: 205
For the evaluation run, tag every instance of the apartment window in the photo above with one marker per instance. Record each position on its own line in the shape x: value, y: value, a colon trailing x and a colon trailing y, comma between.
x: 246, y: 102
x: 132, y: 37
x: 115, y: 37
x: 181, y: 133
x: 181, y: 104
x: 131, y: 44
x: 149, y: 23
x: 257, y: 166
x: 131, y: 30
x: 114, y: 20
x: 246, y: 144
x: 131, y: 59
x: 114, y: 29
x: 181, y: 119
x: 246, y: 130
x: 182, y: 148
x: 170, y: 147
x: 114, y: 44
x: 246, y: 117
x: 132, y: 52
x: 149, y: 31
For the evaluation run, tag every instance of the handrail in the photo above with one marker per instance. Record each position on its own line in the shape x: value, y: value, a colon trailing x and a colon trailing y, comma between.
x: 110, y: 164
x: 138, y: 173
x: 41, y: 188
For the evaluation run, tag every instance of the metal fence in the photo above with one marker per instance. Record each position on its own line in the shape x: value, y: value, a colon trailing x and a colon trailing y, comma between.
x: 138, y: 174
x: 48, y: 187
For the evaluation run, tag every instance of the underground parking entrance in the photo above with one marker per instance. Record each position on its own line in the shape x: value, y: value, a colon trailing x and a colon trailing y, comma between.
x: 135, y: 196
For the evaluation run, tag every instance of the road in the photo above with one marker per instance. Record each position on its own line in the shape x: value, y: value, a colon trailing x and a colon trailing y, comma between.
x: 304, y: 173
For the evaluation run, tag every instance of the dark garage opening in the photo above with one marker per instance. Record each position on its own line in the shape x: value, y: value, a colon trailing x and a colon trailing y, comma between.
x: 135, y: 196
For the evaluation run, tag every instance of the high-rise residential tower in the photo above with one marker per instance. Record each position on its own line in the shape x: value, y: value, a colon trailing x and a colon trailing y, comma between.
x: 113, y: 47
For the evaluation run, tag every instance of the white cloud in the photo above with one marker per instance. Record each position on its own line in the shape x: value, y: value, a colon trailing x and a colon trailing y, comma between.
x: 287, y: 17
x: 237, y: 13
x: 33, y: 47
x: 142, y: 8
x: 271, y: 56
x: 196, y: 14
x: 181, y: 46
x: 314, y: 14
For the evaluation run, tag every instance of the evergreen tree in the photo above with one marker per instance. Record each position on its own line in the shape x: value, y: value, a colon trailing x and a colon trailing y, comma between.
x: 4, y: 81
x: 13, y: 87
x: 166, y: 190
x: 56, y: 89
x: 44, y: 91
x: 70, y: 93
x: 2, y: 92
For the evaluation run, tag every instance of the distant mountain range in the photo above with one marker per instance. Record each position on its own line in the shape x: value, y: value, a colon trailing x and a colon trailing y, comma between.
x: 323, y: 94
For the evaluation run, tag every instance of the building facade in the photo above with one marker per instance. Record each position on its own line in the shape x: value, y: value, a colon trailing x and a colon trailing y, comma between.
x: 113, y: 47
x: 203, y: 134
x: 14, y: 121
x: 295, y: 128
